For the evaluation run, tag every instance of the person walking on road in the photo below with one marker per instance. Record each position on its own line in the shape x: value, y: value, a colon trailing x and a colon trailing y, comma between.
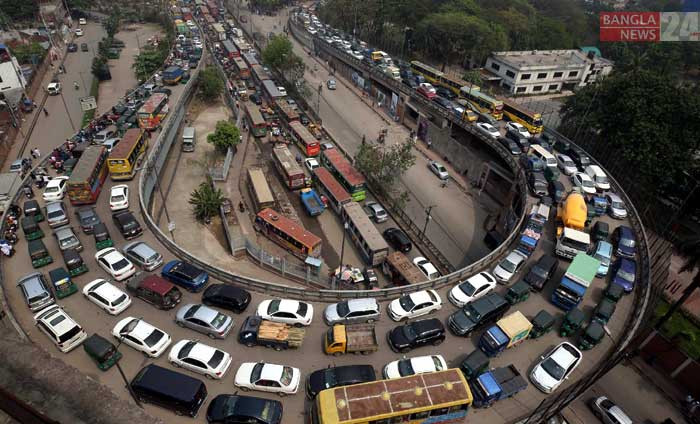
x: 36, y: 153
x: 46, y: 112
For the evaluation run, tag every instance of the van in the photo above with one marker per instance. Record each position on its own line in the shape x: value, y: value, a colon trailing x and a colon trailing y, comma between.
x: 169, y: 389
x: 542, y: 154
x: 598, y: 177
x: 148, y: 88
x: 478, y: 314
x: 103, y: 136
x: 188, y: 139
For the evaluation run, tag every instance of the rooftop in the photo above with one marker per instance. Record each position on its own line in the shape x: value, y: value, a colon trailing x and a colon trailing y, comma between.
x: 547, y: 58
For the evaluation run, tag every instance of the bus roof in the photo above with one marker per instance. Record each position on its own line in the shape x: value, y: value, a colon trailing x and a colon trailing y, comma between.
x: 343, y: 166
x: 260, y: 186
x: 576, y: 235
x: 294, y: 229
x: 364, y: 226
x: 250, y: 59
x: 285, y: 158
x: 360, y: 402
x: 240, y: 63
x: 306, y: 137
x: 480, y: 94
x: 271, y: 89
x: 513, y: 105
x: 332, y: 185
x: 427, y: 67
x: 228, y: 46
x: 153, y: 102
x: 287, y: 110
x: 254, y: 113
x: 410, y: 272
x: 86, y: 164
x: 123, y: 149
x: 259, y: 72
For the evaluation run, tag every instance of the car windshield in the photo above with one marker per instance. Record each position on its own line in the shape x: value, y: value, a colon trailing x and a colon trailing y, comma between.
x: 216, y: 359
x: 405, y: 368
x: 507, y: 265
x: 274, y: 307
x: 617, y: 205
x: 119, y: 300
x: 342, y: 309
x: 130, y: 225
x: 69, y: 334
x: 587, y: 183
x: 601, y: 179
x: 553, y: 369
x: 68, y: 241
x: 55, y: 214
x: 568, y: 162
x: 603, y: 259
x: 117, y: 198
x: 627, y: 242
x: 219, y: 320
x: 628, y: 276
x: 467, y: 288
x: 154, y: 337
x: 406, y: 303
x: 409, y: 332
x: 286, y: 378
x: 471, y: 313
x: 303, y: 308
x: 539, y: 272
x: 120, y: 264
x: 51, y: 189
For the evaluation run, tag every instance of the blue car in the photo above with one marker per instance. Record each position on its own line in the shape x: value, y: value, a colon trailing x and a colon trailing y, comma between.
x: 624, y: 273
x: 603, y: 252
x: 624, y: 241
x: 186, y: 275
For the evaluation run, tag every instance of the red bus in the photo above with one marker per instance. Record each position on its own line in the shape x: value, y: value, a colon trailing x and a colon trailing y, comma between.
x: 304, y: 139
x: 288, y: 234
x: 242, y: 69
x: 330, y: 187
x: 153, y: 111
x: 85, y: 183
x: 292, y: 174
x: 349, y: 177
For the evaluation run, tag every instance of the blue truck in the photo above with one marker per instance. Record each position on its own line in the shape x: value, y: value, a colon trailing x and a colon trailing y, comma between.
x: 508, y: 332
x: 172, y: 75
x: 497, y: 384
x: 312, y: 202
x: 575, y: 282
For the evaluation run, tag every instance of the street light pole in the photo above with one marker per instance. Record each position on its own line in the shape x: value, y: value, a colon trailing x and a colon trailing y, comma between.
x: 428, y: 210
x: 126, y: 381
x: 67, y: 112
x: 342, y: 245
x: 318, y: 99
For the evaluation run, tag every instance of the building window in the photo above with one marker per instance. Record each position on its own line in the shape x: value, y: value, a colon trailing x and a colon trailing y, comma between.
x: 507, y: 87
x: 521, y: 89
x: 542, y: 75
x: 553, y: 87
x: 495, y: 66
x: 525, y: 76
x: 537, y: 88
x: 510, y: 74
x: 573, y: 74
x: 558, y: 74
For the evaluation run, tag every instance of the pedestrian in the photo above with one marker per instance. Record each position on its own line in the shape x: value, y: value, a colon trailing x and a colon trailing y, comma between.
x: 46, y: 112
x: 443, y: 184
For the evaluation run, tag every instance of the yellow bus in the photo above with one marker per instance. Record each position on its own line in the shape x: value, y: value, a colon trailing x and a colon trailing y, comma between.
x: 527, y: 118
x: 126, y: 155
x: 455, y: 84
x: 483, y: 102
x: 436, y: 397
x: 430, y: 74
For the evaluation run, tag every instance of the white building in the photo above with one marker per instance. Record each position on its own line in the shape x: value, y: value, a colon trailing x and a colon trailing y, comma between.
x: 546, y: 71
x: 12, y: 81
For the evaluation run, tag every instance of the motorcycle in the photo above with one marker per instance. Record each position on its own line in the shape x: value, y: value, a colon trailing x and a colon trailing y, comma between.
x: 28, y: 192
x: 6, y: 248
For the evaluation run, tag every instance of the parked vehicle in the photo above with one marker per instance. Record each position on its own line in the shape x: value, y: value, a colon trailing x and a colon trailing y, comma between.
x: 540, y: 273
x: 603, y: 252
x: 376, y: 212
x: 36, y: 291
x: 518, y: 292
x: 226, y: 409
x: 414, y: 305
x: 616, y: 207
x: 624, y: 274
x: 205, y: 320
x: 583, y: 182
x: 604, y: 310
x: 567, y: 166
x: 185, y: 275
x: 56, y: 214
x: 256, y: 331
x: 102, y: 351
x: 426, y: 267
x: 471, y: 289
x: 311, y: 201
x: 508, y: 332
x: 573, y: 285
x: 169, y: 389
x: 409, y: 336
x: 67, y: 239
x: 600, y: 179
x: 143, y: 255
x: 55, y: 189
x: 439, y: 170
x: 62, y: 284
x: 350, y: 338
x: 102, y: 238
x: 555, y: 367
x: 600, y: 231
x: 32, y: 208
x: 412, y: 366
x: 142, y: 336
x: 200, y: 358
x: 31, y: 228
x: 38, y: 253
x: 478, y: 314
x: 608, y: 412
x: 227, y: 297
x: 127, y: 224
x: 107, y: 296
x: 474, y: 364
x: 398, y: 239
x: 352, y: 311
x: 87, y: 217
x: 572, y: 322
x: 61, y: 329
x: 591, y: 336
x: 514, y: 126
x: 488, y: 130
x: 274, y: 378
x: 542, y: 323
x: 509, y: 266
x: 115, y: 264
x: 497, y: 384
x: 119, y: 197
x: 347, y: 375
x: 155, y: 290
x: 286, y: 311
x: 557, y: 191
x: 625, y: 242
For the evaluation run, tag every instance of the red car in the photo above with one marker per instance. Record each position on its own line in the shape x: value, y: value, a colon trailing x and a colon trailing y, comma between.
x: 427, y: 90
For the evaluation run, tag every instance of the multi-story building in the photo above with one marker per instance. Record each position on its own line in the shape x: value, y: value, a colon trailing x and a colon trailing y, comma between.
x: 12, y: 81
x: 546, y: 71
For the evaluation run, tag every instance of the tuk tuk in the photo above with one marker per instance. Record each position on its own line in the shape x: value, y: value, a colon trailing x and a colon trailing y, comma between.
x: 31, y: 229
x: 600, y: 205
x: 474, y: 364
x: 542, y: 323
x: 38, y: 253
x: 518, y: 292
x: 572, y: 322
x: 102, y: 351
x: 74, y: 262
x: 601, y: 231
x: 102, y: 238
x: 592, y: 336
x: 68, y: 166
x: 614, y: 292
x: 604, y: 311
x: 31, y: 208
x: 62, y: 283
x: 551, y: 174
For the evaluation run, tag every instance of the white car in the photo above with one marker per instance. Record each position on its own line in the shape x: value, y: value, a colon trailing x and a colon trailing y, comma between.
x: 311, y: 164
x: 509, y: 266
x: 200, y: 358
x: 142, y: 336
x: 107, y: 296
x: 279, y: 379
x: 609, y: 413
x: 426, y: 267
x: 190, y: 23
x: 471, y: 289
x: 119, y: 197
x: 414, y: 305
x: 282, y: 90
x: 116, y: 264
x: 79, y: 32
x: 287, y: 311
x: 566, y: 165
x: 488, y: 130
x: 555, y: 367
x: 65, y: 333
x: 82, y: 21
x: 55, y: 189
x: 616, y: 207
x: 514, y: 126
x: 438, y: 169
x: 412, y: 366
x: 54, y: 88
x: 583, y: 182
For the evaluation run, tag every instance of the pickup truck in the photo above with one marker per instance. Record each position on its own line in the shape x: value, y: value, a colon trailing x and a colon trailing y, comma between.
x: 256, y: 331
x: 351, y: 338
x: 497, y: 384
x: 509, y: 331
x: 312, y: 202
x: 576, y: 280
x: 533, y: 229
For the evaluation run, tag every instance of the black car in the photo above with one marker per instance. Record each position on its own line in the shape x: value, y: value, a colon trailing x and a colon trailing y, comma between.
x: 510, y: 145
x: 557, y: 191
x: 521, y: 141
x: 304, y: 119
x: 537, y: 183
x: 579, y: 157
x: 446, y: 93
x: 338, y: 376
x: 127, y: 224
x: 410, y: 82
x: 88, y: 219
x: 227, y: 297
x: 541, y: 272
x: 477, y: 314
x: 255, y: 98
x: 398, y: 239
x: 443, y: 102
x: 415, y: 334
x: 231, y: 409
x: 72, y: 47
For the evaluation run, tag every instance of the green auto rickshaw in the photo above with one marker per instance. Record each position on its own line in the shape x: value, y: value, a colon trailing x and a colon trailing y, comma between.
x: 604, y: 311
x: 592, y: 336
x: 38, y: 253
x: 32, y: 208
x: 518, y: 292
x: 551, y: 173
x: 572, y: 322
x: 614, y: 292
x: 542, y: 324
x: 474, y: 364
x: 31, y: 228
x: 74, y: 262
x: 102, y: 351
x: 68, y: 166
x: 62, y: 283
x: 102, y: 238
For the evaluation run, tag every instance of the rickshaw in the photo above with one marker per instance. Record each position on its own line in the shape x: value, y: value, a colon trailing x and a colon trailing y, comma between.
x: 592, y: 336
x: 102, y: 351
x: 601, y: 231
x: 31, y: 229
x: 74, y: 262
x: 518, y: 292
x: 474, y: 364
x: 68, y: 166
x: 551, y: 173
x: 32, y: 208
x: 62, y: 283
x: 102, y: 238
x: 604, y: 311
x: 572, y: 322
x: 542, y: 324
x: 614, y: 292
x: 38, y: 253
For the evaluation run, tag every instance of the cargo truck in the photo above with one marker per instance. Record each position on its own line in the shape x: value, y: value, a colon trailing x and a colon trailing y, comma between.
x: 509, y: 331
x: 533, y: 229
x: 312, y: 201
x: 572, y: 213
x: 172, y: 75
x: 576, y: 280
x: 256, y: 331
x: 351, y: 338
x: 497, y: 384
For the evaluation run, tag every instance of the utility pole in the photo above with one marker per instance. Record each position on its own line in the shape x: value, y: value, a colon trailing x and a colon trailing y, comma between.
x: 126, y: 381
x: 67, y: 112
x: 318, y: 99
x: 428, y: 210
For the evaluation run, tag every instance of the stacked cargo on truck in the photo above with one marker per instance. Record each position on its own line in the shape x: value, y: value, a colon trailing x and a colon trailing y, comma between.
x: 351, y: 338
x: 575, y: 282
x: 497, y: 384
x: 256, y: 331
x: 508, y: 332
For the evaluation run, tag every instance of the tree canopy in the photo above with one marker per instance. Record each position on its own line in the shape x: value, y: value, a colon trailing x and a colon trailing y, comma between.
x: 206, y: 201
x: 278, y: 55
x: 13, y: 11
x: 383, y: 165
x: 211, y: 83
x: 224, y: 136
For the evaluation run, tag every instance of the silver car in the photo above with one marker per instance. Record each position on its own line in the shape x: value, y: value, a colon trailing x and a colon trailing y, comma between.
x: 616, y: 207
x: 351, y: 311
x: 376, y: 211
x: 204, y: 320
x: 143, y: 255
x: 36, y: 291
x: 56, y: 214
x: 67, y: 239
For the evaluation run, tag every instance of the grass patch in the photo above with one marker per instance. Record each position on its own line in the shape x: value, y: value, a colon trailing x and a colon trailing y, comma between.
x: 94, y: 91
x: 685, y: 331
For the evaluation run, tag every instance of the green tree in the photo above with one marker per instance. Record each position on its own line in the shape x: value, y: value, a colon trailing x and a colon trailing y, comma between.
x: 224, y: 136
x: 277, y: 52
x: 149, y: 61
x: 473, y: 76
x: 384, y: 165
x: 206, y: 200
x: 25, y: 52
x: 210, y: 83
